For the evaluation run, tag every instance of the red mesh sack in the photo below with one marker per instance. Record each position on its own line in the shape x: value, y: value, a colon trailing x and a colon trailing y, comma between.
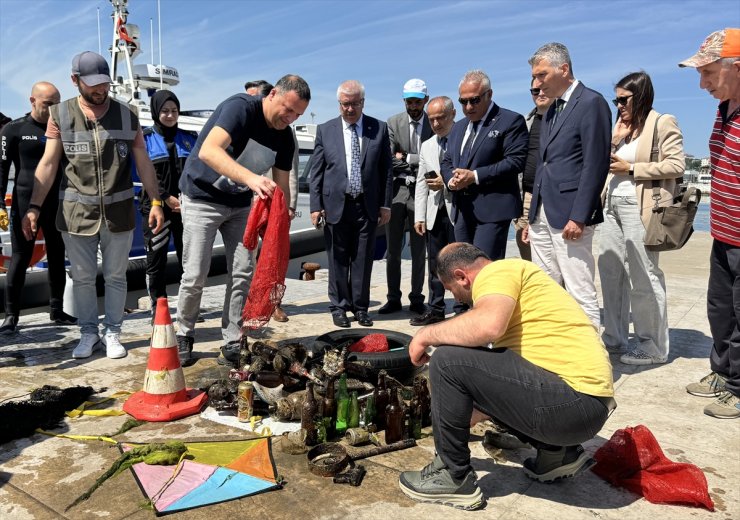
x: 267, y: 219
x: 370, y: 343
x: 632, y: 459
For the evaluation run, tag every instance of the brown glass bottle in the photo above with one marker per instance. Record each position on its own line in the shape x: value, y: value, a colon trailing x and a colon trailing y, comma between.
x: 425, y: 400
x: 309, y: 411
x: 381, y: 401
x: 393, y: 419
x: 329, y: 409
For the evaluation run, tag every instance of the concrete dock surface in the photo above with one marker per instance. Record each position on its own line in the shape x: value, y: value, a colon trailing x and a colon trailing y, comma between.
x: 41, y: 475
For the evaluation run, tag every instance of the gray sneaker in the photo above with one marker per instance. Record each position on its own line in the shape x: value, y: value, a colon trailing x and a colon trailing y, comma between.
x: 185, y: 350
x: 552, y: 465
x: 710, y: 385
x: 726, y: 406
x: 435, y: 484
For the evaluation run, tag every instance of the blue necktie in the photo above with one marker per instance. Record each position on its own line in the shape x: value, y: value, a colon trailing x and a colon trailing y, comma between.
x: 355, y: 177
x: 442, y: 149
x: 465, y: 155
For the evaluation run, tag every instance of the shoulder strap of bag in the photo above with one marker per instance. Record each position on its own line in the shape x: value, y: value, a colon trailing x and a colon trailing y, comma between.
x: 654, y: 155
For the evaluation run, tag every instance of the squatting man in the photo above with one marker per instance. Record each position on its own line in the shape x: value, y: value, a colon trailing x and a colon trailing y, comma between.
x: 533, y: 363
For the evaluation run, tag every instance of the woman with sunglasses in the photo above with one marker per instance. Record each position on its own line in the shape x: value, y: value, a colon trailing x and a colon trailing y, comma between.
x: 647, y: 152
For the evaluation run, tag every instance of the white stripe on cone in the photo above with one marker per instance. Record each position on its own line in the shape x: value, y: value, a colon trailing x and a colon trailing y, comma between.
x: 164, y: 382
x: 163, y: 336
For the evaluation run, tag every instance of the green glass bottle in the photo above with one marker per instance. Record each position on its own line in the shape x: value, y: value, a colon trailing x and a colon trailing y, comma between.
x: 370, y: 410
x: 354, y: 412
x: 342, y: 406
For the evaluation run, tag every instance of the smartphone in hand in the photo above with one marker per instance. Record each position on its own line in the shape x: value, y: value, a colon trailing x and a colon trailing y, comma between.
x: 430, y: 175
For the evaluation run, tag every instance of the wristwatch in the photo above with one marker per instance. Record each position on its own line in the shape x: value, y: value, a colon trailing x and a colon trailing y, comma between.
x: 156, y: 202
x: 632, y: 169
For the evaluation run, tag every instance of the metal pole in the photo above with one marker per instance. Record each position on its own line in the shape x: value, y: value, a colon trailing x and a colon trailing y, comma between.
x: 159, y: 29
x: 100, y: 45
x: 151, y: 35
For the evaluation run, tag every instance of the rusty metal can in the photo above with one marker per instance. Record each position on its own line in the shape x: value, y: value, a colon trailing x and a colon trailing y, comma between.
x: 245, y: 401
x: 357, y: 436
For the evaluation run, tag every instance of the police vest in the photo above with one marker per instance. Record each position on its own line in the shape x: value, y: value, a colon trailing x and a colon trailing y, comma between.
x: 97, y: 184
x: 156, y: 146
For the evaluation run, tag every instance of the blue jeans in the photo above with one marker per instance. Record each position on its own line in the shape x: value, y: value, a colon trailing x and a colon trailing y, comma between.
x: 535, y: 404
x: 631, y: 278
x: 201, y: 221
x: 723, y: 312
x: 82, y: 252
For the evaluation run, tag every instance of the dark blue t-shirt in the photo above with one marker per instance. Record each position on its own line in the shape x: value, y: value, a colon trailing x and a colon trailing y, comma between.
x: 254, y: 145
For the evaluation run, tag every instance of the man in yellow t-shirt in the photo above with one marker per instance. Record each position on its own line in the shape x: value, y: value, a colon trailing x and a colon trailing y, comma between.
x: 535, y: 365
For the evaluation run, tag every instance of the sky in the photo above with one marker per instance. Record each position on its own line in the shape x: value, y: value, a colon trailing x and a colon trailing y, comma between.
x: 217, y: 45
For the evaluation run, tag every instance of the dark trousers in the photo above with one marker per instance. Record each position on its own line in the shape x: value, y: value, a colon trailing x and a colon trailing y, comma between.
x: 157, y: 247
x: 350, y: 248
x: 489, y: 237
x: 402, y: 222
x: 536, y: 405
x: 23, y: 250
x: 723, y: 312
x: 441, y: 234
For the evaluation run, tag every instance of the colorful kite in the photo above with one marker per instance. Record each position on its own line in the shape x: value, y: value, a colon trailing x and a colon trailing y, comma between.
x: 218, y: 472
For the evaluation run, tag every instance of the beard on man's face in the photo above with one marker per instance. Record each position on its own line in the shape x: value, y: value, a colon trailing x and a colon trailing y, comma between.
x: 93, y: 97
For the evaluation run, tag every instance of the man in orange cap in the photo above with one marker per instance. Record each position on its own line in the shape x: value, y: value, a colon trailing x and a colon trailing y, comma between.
x: 718, y: 63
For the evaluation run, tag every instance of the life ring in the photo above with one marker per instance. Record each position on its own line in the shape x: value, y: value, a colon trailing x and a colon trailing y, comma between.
x: 39, y: 248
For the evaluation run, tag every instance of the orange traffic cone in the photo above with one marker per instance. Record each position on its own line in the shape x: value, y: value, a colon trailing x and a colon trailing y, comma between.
x: 164, y: 397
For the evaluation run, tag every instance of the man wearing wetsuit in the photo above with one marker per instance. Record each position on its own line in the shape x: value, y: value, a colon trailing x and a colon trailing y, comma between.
x: 22, y: 144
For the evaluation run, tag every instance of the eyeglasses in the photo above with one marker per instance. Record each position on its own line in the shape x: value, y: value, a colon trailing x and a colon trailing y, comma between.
x: 534, y: 91
x: 621, y: 100
x: 347, y: 104
x: 470, y: 101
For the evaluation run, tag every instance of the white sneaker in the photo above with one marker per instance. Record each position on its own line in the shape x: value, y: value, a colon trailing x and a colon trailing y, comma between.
x: 85, y: 347
x: 113, y: 347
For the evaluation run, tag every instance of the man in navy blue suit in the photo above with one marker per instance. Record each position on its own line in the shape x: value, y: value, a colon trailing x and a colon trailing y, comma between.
x: 350, y: 187
x: 485, y: 153
x: 575, y: 144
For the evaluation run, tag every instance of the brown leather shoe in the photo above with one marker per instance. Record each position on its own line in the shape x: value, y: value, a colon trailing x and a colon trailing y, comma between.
x: 279, y: 315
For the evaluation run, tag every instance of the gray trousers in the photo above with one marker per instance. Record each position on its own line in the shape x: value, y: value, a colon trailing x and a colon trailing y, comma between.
x: 201, y: 221
x: 402, y: 216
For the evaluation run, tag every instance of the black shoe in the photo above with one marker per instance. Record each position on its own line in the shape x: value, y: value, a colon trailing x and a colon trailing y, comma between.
x: 185, y: 350
x: 427, y: 318
x: 60, y: 317
x: 390, y: 307
x: 552, y: 465
x: 10, y: 324
x: 229, y: 354
x: 363, y: 319
x: 340, y: 320
x: 418, y: 308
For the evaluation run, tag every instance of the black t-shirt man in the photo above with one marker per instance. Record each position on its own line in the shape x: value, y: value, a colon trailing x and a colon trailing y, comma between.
x: 254, y: 145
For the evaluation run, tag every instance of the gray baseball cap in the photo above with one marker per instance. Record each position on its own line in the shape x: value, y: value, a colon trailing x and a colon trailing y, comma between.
x: 91, y: 68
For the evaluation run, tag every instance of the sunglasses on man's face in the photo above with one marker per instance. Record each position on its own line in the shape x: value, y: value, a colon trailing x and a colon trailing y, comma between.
x: 470, y: 101
x: 621, y: 100
x: 534, y: 91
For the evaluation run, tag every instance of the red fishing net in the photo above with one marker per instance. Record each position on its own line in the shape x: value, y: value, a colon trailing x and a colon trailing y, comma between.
x: 370, y: 343
x: 267, y: 219
x: 633, y: 459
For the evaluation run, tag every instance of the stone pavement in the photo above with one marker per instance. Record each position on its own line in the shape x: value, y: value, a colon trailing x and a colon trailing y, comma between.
x: 40, y: 476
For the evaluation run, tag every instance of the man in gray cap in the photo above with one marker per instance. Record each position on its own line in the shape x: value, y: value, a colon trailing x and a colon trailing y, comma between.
x: 718, y: 63
x: 100, y: 139
x: 407, y: 131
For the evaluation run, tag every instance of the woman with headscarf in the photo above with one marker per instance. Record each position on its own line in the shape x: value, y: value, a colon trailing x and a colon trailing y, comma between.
x: 647, y: 160
x: 168, y: 148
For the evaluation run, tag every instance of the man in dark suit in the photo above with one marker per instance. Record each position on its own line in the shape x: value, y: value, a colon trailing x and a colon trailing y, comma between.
x: 574, y: 162
x: 407, y: 131
x: 350, y: 188
x: 485, y: 153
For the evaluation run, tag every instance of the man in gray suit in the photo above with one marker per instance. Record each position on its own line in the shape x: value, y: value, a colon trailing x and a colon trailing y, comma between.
x: 433, y: 204
x: 350, y: 188
x: 407, y: 131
